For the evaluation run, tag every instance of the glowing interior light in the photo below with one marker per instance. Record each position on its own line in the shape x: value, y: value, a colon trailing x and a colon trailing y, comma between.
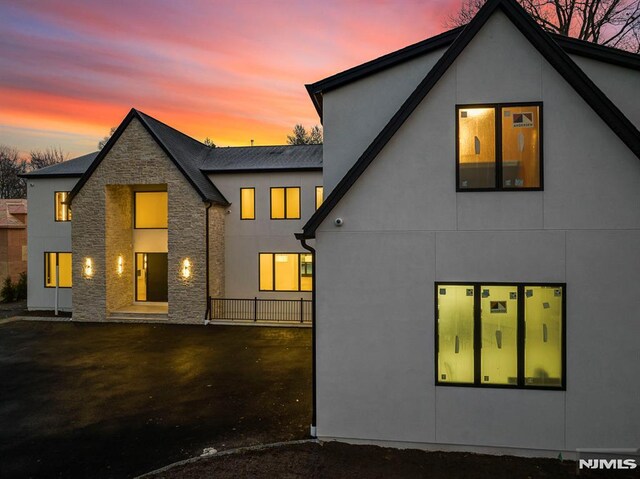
x: 186, y: 268
x: 120, y: 265
x: 88, y: 267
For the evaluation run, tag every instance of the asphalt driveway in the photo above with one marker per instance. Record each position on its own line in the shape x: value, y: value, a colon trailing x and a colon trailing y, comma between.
x: 117, y: 400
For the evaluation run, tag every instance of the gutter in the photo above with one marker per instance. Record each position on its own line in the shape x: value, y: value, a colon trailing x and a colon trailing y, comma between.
x: 207, y: 314
x: 303, y: 241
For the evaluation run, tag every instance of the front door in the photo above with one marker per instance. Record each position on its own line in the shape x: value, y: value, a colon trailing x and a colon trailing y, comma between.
x: 151, y: 277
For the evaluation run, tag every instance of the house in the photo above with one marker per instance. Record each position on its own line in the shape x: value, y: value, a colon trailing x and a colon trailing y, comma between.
x: 478, y: 255
x: 13, y: 238
x: 156, y: 223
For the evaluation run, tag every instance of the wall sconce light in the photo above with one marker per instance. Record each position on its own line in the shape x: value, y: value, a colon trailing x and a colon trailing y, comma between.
x: 120, y: 268
x: 87, y: 269
x: 186, y: 268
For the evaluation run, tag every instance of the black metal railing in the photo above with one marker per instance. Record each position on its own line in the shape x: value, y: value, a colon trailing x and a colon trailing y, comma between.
x: 254, y: 309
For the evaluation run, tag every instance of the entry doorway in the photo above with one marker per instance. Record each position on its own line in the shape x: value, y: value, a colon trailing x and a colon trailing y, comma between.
x: 151, y: 277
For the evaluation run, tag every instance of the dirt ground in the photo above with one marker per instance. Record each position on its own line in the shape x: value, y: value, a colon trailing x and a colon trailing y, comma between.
x: 339, y: 460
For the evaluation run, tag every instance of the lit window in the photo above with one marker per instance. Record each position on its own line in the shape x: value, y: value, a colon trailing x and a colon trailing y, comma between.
x: 319, y: 196
x: 285, y: 203
x: 151, y: 209
x: 57, y: 270
x: 247, y: 203
x: 63, y: 210
x: 285, y: 272
x: 500, y: 335
x: 499, y: 147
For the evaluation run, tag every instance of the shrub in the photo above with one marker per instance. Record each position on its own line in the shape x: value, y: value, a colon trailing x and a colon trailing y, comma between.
x: 21, y: 287
x: 7, y: 293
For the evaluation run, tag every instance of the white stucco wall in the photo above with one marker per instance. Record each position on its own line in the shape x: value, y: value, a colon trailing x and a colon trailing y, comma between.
x: 620, y: 84
x: 405, y: 228
x: 245, y: 239
x: 46, y: 235
x: 360, y: 110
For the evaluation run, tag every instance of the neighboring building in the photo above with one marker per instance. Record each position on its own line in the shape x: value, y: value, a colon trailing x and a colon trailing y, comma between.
x: 13, y: 239
x: 478, y: 267
x: 157, y: 222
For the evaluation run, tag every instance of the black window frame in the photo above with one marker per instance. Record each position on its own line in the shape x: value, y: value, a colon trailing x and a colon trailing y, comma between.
x: 135, y: 202
x: 55, y: 207
x: 46, y: 266
x: 477, y: 335
x: 316, y: 196
x: 273, y: 272
x: 285, y: 188
x: 498, y: 142
x: 254, y: 203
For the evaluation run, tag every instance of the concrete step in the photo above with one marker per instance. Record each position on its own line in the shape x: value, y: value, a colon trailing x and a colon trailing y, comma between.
x: 137, y: 316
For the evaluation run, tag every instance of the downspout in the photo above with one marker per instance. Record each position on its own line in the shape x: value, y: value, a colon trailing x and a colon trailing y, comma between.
x: 303, y: 242
x: 206, y: 222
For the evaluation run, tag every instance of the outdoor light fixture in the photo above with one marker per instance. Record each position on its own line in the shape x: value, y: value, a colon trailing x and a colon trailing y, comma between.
x: 88, y: 267
x: 120, y: 265
x: 186, y: 268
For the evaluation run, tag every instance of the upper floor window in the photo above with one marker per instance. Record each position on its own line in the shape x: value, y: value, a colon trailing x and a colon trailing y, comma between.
x: 57, y: 270
x: 247, y: 203
x: 509, y: 335
x: 499, y: 147
x: 151, y: 209
x: 285, y: 203
x: 319, y: 196
x: 62, y: 209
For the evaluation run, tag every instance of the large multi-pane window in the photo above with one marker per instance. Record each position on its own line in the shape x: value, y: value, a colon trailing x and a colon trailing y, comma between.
x: 247, y: 203
x: 285, y: 272
x: 285, y: 203
x: 509, y: 335
x: 62, y: 209
x: 151, y: 209
x: 57, y: 270
x: 499, y: 147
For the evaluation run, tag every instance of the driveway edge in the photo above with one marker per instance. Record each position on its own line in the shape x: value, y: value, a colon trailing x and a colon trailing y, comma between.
x: 226, y: 452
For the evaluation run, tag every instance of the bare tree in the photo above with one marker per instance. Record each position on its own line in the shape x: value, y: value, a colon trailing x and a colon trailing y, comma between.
x: 42, y: 158
x: 209, y: 142
x: 300, y: 136
x: 612, y: 23
x: 11, y: 165
x: 103, y: 142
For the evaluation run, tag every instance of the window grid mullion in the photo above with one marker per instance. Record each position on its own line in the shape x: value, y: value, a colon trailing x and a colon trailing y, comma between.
x: 477, y: 335
x: 520, y: 335
x: 498, y: 147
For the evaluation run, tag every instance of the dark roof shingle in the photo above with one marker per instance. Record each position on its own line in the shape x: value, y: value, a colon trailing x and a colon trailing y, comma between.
x: 263, y: 158
x: 70, y: 168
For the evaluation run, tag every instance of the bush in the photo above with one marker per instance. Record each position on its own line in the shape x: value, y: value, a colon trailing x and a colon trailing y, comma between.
x: 8, y: 292
x: 21, y: 287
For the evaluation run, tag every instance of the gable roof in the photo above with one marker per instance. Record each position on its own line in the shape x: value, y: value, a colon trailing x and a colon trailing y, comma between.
x: 263, y: 158
x: 186, y: 154
x: 547, y: 47
x: 573, y: 46
x: 73, y: 168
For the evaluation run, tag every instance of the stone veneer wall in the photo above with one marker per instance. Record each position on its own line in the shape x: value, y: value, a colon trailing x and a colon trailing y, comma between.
x: 119, y: 241
x: 136, y: 159
x: 217, y: 216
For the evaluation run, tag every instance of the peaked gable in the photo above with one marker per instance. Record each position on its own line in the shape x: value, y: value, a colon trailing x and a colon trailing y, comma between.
x: 549, y: 50
x: 185, y: 153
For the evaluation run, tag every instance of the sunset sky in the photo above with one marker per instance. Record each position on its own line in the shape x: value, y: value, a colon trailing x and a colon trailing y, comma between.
x: 230, y: 70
